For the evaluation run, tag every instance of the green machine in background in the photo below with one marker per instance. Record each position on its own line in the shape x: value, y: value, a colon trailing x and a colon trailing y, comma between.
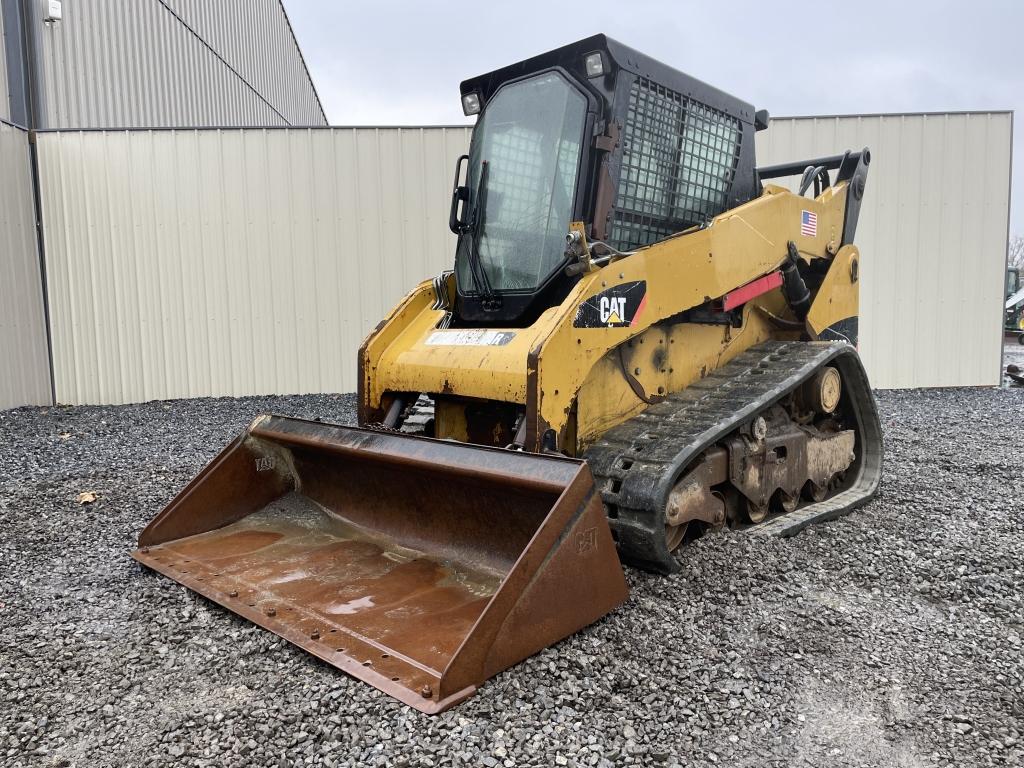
x: 1013, y: 324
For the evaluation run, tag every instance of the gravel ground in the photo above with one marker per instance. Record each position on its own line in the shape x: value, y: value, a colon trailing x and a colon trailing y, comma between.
x: 890, y: 637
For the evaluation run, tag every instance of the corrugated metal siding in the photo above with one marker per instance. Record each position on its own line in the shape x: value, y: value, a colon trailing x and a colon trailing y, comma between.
x: 25, y: 372
x: 187, y: 263
x: 5, y: 100
x: 933, y: 233
x: 274, y: 66
x: 133, y: 63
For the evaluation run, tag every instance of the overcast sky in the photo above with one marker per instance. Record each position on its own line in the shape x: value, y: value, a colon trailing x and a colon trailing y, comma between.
x: 400, y: 63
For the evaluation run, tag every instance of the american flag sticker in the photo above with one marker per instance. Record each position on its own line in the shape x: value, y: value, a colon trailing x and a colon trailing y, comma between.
x: 808, y: 224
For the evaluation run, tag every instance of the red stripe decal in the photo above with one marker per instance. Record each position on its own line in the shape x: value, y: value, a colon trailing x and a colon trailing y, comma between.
x: 636, y: 315
x: 751, y: 290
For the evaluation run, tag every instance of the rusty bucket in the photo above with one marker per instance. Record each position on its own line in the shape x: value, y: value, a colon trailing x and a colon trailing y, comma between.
x: 422, y: 567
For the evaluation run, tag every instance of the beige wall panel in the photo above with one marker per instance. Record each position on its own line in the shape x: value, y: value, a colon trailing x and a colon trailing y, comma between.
x: 186, y: 263
x: 24, y: 362
x: 933, y: 237
x: 190, y: 263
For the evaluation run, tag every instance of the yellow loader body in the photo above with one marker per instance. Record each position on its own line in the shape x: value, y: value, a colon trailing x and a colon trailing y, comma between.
x: 570, y: 379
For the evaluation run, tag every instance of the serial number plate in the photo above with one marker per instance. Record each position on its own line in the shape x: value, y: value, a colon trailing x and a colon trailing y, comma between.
x: 470, y: 338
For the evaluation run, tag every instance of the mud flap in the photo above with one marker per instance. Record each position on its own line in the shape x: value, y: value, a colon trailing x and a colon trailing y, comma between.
x: 422, y: 567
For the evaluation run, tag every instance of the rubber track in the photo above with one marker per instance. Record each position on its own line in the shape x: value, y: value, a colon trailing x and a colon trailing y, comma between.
x: 636, y: 463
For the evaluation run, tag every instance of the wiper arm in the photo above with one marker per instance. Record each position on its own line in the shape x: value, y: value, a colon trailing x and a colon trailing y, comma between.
x: 481, y: 282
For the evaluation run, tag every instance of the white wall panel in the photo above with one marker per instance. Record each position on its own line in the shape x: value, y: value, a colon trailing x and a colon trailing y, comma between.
x: 932, y: 235
x: 24, y: 361
x: 187, y: 263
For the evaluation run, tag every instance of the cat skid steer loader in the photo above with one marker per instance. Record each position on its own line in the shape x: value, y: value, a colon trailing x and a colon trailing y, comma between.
x: 642, y: 340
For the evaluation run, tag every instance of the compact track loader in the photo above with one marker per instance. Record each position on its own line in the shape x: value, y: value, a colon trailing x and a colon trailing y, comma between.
x: 641, y: 341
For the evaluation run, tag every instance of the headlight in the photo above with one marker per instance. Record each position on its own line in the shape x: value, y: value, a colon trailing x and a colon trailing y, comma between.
x: 471, y: 103
x: 594, y: 64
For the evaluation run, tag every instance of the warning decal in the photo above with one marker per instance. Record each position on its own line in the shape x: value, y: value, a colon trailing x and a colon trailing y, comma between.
x: 470, y: 338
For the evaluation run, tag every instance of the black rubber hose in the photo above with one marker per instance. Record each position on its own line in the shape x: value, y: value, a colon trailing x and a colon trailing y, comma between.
x: 793, y: 285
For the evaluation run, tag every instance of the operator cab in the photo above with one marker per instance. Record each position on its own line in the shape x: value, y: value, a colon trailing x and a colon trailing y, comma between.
x: 592, y: 132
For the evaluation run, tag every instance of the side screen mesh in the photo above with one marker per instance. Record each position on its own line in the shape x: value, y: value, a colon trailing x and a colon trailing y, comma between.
x: 678, y: 163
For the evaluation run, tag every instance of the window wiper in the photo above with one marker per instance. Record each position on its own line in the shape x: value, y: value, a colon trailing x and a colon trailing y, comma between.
x: 481, y: 282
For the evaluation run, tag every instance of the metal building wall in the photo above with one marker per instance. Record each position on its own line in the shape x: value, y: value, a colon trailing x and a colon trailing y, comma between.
x: 932, y: 231
x: 141, y: 63
x: 5, y: 102
x: 188, y: 263
x: 25, y: 367
x: 273, y: 65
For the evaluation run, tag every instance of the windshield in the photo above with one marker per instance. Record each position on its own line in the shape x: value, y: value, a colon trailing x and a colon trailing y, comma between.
x: 528, y: 139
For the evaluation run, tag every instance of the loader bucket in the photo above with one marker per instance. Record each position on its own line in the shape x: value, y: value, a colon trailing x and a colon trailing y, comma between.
x: 420, y: 566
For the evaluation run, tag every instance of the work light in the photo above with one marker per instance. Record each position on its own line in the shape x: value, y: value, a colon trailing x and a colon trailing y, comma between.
x: 470, y: 104
x: 594, y: 63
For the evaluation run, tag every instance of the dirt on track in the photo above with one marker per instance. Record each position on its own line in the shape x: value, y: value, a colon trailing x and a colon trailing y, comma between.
x: 890, y: 637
